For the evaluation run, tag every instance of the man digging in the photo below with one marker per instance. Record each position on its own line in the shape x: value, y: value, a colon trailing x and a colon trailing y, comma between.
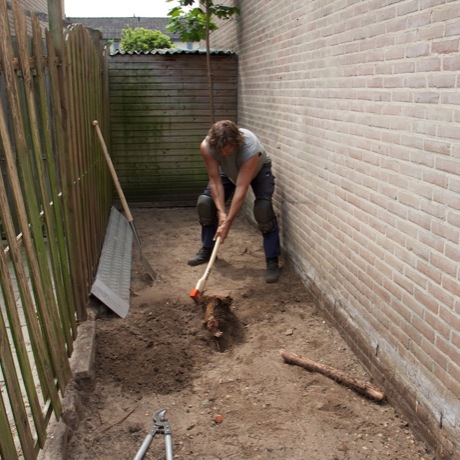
x: 235, y: 159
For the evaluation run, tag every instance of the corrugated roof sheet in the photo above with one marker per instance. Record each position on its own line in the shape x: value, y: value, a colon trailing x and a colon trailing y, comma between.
x: 172, y: 51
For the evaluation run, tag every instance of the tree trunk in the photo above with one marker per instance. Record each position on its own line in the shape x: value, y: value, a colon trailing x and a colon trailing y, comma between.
x: 208, y: 63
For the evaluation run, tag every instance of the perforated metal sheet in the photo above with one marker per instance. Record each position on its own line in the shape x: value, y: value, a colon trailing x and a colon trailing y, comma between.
x: 113, y: 277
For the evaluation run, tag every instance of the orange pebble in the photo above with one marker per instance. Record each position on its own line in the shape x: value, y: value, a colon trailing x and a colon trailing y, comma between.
x: 218, y: 418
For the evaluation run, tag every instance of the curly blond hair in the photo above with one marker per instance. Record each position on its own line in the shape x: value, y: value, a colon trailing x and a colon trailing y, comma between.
x: 224, y: 133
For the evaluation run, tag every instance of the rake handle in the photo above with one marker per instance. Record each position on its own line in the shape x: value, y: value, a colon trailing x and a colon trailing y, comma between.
x: 113, y: 173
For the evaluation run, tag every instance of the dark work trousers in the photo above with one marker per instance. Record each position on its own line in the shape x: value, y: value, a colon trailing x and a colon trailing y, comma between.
x: 263, y: 186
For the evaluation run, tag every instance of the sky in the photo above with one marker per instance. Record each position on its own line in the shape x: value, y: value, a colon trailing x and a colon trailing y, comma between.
x: 117, y: 8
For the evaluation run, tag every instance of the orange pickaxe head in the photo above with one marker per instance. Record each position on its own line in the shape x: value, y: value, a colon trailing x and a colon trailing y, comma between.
x: 195, y: 295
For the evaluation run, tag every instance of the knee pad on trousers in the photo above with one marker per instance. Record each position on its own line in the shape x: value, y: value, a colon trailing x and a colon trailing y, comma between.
x: 206, y: 209
x: 264, y: 215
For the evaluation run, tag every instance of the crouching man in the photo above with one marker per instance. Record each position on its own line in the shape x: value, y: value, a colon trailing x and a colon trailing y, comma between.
x: 235, y: 159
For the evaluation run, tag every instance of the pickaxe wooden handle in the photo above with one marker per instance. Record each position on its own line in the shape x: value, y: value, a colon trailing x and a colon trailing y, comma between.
x: 200, y: 285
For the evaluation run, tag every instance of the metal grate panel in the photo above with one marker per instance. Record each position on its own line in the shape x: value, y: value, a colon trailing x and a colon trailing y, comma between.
x: 113, y: 278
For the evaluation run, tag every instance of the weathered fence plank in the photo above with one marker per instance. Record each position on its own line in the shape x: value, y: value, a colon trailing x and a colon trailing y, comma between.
x: 16, y: 398
x: 7, y: 446
x: 66, y: 301
x: 59, y: 88
x: 20, y: 345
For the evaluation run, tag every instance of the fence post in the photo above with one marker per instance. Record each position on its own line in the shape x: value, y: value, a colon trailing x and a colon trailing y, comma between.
x: 56, y: 24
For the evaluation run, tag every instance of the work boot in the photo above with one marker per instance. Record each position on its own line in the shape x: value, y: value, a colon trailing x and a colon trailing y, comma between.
x: 202, y: 256
x: 273, y: 270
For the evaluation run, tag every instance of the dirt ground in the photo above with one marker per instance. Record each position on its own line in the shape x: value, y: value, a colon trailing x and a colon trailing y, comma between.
x: 161, y: 356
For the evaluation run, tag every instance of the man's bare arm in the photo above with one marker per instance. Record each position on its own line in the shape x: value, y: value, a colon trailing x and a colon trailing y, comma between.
x: 246, y: 173
x: 215, y: 181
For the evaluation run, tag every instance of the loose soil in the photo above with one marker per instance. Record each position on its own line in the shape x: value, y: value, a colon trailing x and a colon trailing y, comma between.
x: 162, y: 356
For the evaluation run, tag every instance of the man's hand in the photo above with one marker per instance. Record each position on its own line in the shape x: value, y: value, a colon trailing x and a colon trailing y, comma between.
x: 223, y: 229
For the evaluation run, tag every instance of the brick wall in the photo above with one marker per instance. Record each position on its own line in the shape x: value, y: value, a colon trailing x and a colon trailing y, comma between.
x: 358, y: 102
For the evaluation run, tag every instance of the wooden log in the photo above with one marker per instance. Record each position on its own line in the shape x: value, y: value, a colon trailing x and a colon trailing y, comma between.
x: 365, y: 388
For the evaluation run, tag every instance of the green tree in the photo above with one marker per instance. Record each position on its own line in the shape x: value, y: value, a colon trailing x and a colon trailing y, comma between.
x: 140, y: 39
x: 195, y: 24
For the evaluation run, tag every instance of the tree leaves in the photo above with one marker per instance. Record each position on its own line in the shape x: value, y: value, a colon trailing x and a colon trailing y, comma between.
x: 140, y: 39
x: 190, y: 24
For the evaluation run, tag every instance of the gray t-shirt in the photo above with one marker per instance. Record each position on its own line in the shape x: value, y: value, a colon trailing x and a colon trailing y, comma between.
x: 231, y: 164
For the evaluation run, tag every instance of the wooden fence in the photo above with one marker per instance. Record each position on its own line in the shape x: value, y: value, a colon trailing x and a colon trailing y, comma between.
x: 159, y: 114
x: 55, y: 198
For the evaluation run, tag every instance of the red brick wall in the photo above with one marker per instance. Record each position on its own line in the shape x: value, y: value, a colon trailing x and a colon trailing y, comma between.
x: 358, y: 102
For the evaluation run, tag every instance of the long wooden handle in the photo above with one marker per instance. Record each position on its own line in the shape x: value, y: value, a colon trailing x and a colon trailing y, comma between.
x: 202, y: 281
x: 113, y: 172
